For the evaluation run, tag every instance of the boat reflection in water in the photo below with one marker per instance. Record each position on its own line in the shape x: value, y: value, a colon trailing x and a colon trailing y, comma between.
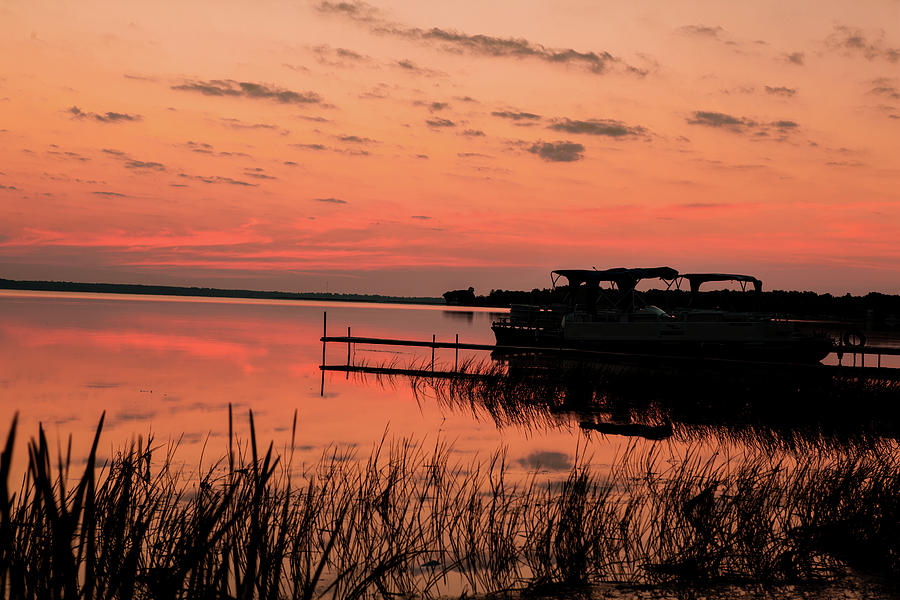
x: 788, y: 408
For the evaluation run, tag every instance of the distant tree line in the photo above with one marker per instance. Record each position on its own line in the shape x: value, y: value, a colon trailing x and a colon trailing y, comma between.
x: 875, y: 310
x: 169, y: 290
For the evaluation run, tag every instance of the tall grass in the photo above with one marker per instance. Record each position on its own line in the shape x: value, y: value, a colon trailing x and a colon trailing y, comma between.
x: 409, y: 520
x: 772, y: 411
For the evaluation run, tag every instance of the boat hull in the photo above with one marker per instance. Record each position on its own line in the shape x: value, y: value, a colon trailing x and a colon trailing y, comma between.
x: 754, y: 341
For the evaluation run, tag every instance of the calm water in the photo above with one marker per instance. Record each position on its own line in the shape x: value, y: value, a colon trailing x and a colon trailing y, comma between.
x: 171, y: 366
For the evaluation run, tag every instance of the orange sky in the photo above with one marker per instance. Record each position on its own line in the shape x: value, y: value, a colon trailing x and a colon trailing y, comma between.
x: 411, y: 147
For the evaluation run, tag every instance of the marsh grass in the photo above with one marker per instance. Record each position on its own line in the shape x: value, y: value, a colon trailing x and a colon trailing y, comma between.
x: 771, y: 411
x: 410, y: 520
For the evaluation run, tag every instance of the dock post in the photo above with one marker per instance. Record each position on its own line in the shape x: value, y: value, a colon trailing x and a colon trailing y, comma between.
x: 456, y: 357
x: 324, y: 335
x: 433, y: 338
x: 348, y: 351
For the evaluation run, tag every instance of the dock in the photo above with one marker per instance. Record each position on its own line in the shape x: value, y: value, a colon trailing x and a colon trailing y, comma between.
x: 851, y: 359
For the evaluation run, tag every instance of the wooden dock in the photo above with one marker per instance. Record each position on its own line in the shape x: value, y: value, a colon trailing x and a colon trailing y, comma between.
x: 855, y: 354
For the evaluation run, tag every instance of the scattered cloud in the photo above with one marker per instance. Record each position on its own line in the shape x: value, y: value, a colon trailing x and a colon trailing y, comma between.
x: 715, y: 33
x: 701, y: 205
x: 132, y: 163
x: 355, y: 139
x: 246, y: 89
x: 258, y: 173
x: 853, y: 41
x: 473, y: 133
x: 603, y: 127
x: 795, y: 58
x: 516, y: 116
x: 421, y: 217
x: 440, y: 123
x: 436, y: 106
x: 339, y: 57
x: 359, y: 11
x: 238, y: 124
x: 741, y: 89
x: 844, y: 163
x: 201, y: 147
x: 142, y: 164
x: 595, y: 62
x: 204, y: 148
x: 217, y: 179
x: 111, y: 194
x: 9, y: 188
x: 331, y: 200
x: 411, y: 67
x: 785, y: 92
x: 108, y: 117
x: 785, y: 124
x: 322, y: 148
x: 66, y: 154
x: 717, y: 119
x: 885, y: 87
x: 477, y: 44
x: 743, y: 125
x: 702, y: 31
x: 558, y: 151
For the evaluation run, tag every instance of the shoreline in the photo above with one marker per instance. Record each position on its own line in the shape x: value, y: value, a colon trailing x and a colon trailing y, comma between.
x: 204, y: 292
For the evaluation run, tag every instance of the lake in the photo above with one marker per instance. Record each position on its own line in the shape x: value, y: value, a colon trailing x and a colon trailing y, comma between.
x: 172, y: 365
x: 696, y: 472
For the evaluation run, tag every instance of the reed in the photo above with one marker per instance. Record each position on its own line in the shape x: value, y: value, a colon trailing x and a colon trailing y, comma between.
x: 784, y: 411
x: 409, y: 520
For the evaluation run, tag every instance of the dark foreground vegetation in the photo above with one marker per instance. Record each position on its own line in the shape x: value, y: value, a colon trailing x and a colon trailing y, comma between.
x: 771, y: 409
x: 414, y: 521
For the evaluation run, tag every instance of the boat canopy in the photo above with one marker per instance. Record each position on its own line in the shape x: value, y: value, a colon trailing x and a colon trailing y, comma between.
x: 698, y: 279
x: 625, y: 279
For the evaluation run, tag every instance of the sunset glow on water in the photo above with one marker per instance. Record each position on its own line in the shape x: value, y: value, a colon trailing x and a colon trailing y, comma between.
x: 172, y: 366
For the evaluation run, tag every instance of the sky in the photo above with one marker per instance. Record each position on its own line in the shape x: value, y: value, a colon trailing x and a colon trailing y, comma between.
x: 407, y: 147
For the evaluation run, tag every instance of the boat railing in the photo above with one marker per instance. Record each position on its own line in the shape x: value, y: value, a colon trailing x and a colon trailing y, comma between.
x: 529, y: 315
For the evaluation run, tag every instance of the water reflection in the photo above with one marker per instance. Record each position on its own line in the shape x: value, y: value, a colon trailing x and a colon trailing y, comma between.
x: 776, y: 409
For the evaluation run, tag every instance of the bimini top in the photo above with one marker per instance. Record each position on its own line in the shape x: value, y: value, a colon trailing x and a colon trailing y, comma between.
x: 625, y: 279
x: 698, y: 279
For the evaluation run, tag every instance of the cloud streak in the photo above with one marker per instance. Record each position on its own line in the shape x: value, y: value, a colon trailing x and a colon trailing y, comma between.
x: 742, y: 125
x: 216, y: 179
x: 107, y: 117
x: 478, y: 44
x: 564, y: 151
x: 853, y: 41
x: 516, y: 116
x: 782, y: 91
x: 247, y: 89
x: 601, y: 127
